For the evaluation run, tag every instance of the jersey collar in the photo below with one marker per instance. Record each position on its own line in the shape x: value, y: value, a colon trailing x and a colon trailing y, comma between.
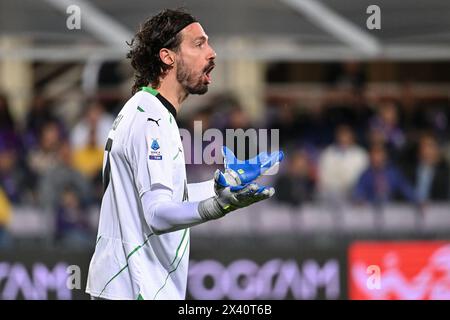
x: 161, y: 99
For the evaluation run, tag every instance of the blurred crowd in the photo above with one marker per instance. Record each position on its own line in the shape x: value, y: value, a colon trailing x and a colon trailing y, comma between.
x: 350, y: 151
x: 341, y: 150
x: 353, y: 151
x: 53, y: 167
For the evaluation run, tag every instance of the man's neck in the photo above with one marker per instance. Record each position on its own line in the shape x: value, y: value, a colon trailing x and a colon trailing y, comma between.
x: 171, y: 89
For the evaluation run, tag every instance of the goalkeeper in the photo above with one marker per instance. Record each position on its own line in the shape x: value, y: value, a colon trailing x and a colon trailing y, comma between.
x: 142, y: 248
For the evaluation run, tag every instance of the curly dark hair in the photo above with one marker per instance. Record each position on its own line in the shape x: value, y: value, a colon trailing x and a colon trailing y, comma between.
x: 157, y: 32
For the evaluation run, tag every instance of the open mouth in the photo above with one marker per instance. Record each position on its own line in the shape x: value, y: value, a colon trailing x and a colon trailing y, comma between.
x: 208, y: 72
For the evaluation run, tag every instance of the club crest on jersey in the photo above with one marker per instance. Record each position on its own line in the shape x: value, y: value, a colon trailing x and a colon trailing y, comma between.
x: 155, y: 153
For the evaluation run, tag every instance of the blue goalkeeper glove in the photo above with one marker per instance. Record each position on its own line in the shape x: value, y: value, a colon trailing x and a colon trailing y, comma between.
x: 229, y: 198
x: 235, y: 188
x: 241, y: 172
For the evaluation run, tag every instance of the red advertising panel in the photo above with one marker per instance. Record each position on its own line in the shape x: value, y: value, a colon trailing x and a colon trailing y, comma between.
x: 407, y: 270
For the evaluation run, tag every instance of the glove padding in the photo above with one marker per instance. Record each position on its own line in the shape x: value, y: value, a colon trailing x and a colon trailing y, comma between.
x: 229, y: 198
x: 241, y: 172
x: 234, y: 197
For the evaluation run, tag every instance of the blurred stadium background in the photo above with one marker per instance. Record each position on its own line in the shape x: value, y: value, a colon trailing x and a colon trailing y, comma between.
x: 363, y: 118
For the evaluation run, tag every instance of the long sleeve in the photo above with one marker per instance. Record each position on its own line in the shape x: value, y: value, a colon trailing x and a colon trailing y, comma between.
x: 164, y: 215
x: 201, y: 191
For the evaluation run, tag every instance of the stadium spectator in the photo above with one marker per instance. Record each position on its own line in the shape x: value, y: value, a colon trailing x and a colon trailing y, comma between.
x: 88, y: 159
x: 385, y: 124
x: 72, y: 223
x: 340, y: 165
x: 39, y: 115
x: 15, y: 180
x: 437, y: 117
x: 44, y: 157
x: 430, y: 174
x: 382, y: 181
x: 95, y: 119
x: 295, y: 186
x: 62, y: 176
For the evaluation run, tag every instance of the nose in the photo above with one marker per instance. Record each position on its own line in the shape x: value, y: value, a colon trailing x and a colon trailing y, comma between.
x: 212, y: 53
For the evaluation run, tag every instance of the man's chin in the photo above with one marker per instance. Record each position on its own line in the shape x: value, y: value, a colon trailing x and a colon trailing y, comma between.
x: 198, y: 90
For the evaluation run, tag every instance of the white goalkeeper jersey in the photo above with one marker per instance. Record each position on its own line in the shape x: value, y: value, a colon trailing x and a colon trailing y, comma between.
x: 143, y: 150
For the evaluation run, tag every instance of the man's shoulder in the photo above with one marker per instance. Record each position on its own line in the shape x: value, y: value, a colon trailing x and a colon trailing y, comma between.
x: 144, y: 106
x: 148, y: 102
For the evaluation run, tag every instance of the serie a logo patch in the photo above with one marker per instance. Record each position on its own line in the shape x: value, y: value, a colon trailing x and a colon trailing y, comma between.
x: 155, y: 145
x: 155, y: 153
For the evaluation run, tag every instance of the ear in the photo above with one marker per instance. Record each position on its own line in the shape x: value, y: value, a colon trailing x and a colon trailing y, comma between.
x: 167, y: 56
